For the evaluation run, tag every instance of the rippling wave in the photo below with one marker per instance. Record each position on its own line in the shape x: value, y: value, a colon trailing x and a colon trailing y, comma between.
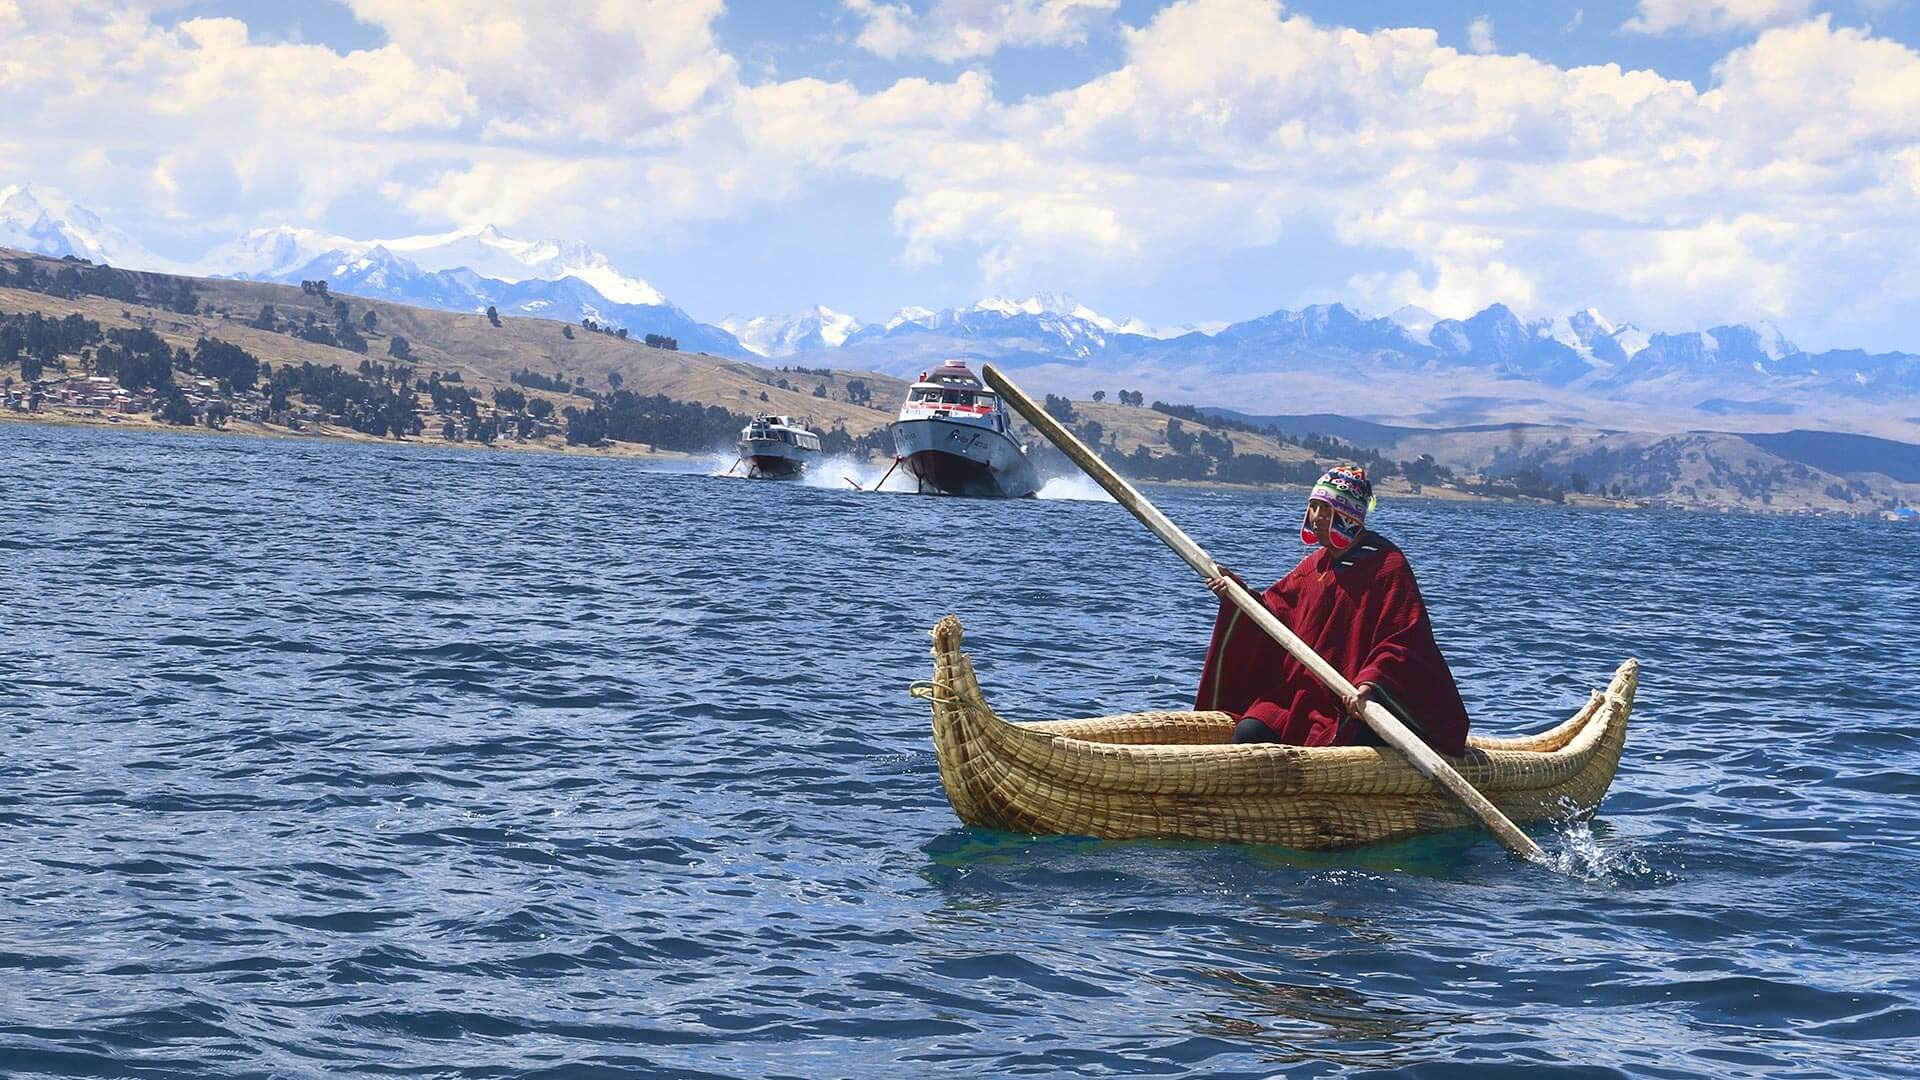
x: 327, y: 758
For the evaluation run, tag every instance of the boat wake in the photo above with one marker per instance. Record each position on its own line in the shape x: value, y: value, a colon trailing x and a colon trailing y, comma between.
x: 1077, y: 488
x: 721, y: 462
x: 843, y: 473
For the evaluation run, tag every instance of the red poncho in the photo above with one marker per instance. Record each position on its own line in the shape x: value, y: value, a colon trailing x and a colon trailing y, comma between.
x: 1361, y: 611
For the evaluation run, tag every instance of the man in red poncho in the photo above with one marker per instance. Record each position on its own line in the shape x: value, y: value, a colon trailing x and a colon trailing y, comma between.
x: 1353, y: 599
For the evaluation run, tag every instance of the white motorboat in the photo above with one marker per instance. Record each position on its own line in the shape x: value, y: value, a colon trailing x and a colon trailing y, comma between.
x: 777, y: 446
x: 954, y: 436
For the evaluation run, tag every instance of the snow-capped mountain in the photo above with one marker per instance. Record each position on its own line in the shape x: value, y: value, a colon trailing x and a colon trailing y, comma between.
x: 1496, y: 338
x: 48, y: 224
x: 470, y: 270
x: 1038, y: 329
x: 1730, y: 352
x: 276, y: 252
x: 1416, y: 321
x: 1323, y: 325
x: 1060, y: 304
x: 818, y: 327
x: 1583, y: 351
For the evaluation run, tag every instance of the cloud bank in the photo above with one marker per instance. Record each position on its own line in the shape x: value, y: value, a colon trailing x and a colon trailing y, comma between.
x: 1785, y: 189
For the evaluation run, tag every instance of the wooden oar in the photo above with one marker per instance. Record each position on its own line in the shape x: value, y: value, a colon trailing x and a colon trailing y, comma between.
x: 1384, y: 723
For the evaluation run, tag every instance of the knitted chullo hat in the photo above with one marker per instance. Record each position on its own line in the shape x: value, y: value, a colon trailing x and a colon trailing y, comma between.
x: 1347, y: 490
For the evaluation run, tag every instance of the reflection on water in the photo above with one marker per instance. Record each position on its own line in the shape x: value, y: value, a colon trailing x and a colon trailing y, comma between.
x: 1297, y: 1023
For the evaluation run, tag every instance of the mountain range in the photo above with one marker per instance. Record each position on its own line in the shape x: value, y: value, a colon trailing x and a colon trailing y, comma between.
x: 1409, y: 365
x: 469, y: 270
x: 49, y: 224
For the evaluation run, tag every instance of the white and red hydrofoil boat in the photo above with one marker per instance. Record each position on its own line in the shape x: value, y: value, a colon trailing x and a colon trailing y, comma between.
x: 776, y: 447
x: 954, y: 436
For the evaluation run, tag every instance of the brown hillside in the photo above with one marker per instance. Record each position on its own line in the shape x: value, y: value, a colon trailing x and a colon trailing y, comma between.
x: 486, y: 356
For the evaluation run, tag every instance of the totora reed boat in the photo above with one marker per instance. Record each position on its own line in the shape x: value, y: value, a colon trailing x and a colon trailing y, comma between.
x: 1177, y: 774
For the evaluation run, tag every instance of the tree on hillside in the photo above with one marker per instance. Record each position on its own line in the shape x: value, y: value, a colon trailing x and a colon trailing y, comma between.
x: 493, y: 315
x: 1177, y: 437
x: 566, y: 331
x: 234, y: 367
x: 176, y: 410
x: 267, y: 319
x: 1099, y: 395
x: 614, y: 379
x: 368, y: 320
x: 398, y: 347
x: 1060, y: 409
x: 140, y: 359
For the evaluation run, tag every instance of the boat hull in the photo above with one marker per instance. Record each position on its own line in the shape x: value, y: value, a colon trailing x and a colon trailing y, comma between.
x: 773, y: 459
x: 963, y: 459
x: 1178, y: 774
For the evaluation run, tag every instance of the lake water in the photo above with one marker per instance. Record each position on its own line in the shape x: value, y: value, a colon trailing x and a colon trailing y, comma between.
x: 327, y: 759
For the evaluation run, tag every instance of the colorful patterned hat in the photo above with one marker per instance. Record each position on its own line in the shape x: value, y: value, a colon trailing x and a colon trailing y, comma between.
x: 1347, y: 490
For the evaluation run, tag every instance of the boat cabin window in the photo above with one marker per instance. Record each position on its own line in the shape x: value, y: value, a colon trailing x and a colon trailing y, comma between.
x: 947, y: 396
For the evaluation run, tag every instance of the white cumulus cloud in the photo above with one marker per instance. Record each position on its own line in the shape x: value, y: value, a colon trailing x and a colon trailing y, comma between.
x: 1480, y: 35
x: 1714, y: 16
x: 1784, y: 189
x: 954, y: 30
x: 1776, y: 191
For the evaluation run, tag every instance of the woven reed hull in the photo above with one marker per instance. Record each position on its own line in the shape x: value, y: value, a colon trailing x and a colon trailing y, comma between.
x: 1177, y: 774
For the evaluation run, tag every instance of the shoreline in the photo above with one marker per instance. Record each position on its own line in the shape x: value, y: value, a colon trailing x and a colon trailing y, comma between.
x: 1391, y: 488
x: 329, y: 433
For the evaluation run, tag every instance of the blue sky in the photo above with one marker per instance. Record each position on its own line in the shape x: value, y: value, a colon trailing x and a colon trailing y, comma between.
x: 1672, y: 162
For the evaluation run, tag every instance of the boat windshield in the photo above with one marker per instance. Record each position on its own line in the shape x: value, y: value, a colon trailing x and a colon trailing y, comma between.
x: 942, y: 396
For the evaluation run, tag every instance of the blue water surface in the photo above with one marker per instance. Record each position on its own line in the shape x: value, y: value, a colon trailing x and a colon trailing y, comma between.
x: 328, y: 759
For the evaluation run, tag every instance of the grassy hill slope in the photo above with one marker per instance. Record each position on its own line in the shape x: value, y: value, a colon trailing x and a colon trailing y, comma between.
x: 486, y: 356
x: 1699, y: 469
